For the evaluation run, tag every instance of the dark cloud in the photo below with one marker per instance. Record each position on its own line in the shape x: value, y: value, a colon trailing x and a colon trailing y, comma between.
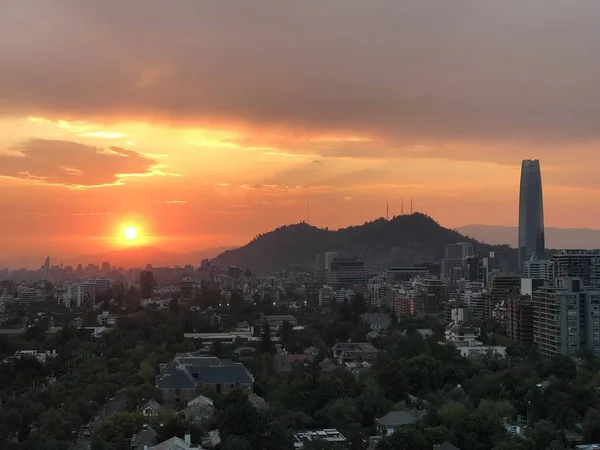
x: 73, y: 164
x: 402, y: 71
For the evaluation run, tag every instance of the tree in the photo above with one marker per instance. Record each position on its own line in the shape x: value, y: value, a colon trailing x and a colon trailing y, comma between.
x: 266, y: 342
x: 359, y: 307
x: 393, y: 320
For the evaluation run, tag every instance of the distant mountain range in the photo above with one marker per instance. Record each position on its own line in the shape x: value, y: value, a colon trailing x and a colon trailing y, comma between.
x: 555, y: 237
x: 402, y: 241
x: 127, y: 257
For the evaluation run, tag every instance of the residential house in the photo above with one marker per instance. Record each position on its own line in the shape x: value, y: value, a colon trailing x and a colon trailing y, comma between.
x: 176, y: 443
x: 146, y: 437
x: 199, y: 408
x: 244, y: 354
x: 314, y: 351
x: 347, y: 352
x: 292, y: 362
x: 106, y: 319
x: 464, y: 338
x: 395, y: 420
x: 151, y: 408
x: 445, y: 446
x: 180, y: 379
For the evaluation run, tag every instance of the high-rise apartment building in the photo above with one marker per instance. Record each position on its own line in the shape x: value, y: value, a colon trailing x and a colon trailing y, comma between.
x: 186, y: 288
x: 518, y: 319
x: 584, y: 264
x: 531, y: 213
x: 431, y: 296
x: 567, y: 318
x: 504, y: 287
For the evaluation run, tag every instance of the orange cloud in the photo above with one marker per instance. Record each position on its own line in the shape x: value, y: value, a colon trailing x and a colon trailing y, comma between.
x: 74, y: 165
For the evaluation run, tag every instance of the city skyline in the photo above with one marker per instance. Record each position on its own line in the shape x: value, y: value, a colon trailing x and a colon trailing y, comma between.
x: 198, y: 139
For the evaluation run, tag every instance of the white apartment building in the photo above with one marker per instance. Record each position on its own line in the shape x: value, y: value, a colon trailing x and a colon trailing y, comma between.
x: 538, y: 269
x: 377, y: 289
x: 78, y: 293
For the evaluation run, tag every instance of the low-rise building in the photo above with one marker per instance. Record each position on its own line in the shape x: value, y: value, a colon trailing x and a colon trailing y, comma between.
x: 180, y: 379
x: 394, y: 420
x: 329, y: 435
x: 345, y: 352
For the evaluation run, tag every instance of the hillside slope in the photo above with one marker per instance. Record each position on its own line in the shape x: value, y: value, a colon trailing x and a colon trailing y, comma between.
x: 404, y: 240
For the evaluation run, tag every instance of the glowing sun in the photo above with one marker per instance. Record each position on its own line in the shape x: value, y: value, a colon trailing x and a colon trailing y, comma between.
x: 130, y: 233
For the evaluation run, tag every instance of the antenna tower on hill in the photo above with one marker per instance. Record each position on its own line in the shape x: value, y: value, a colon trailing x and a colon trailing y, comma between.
x: 402, y: 207
x: 411, y: 206
x: 387, y: 211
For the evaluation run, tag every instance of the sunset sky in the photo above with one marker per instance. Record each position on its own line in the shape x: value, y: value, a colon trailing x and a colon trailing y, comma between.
x: 204, y: 123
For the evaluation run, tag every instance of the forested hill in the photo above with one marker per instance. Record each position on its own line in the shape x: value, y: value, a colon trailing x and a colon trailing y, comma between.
x: 403, y: 240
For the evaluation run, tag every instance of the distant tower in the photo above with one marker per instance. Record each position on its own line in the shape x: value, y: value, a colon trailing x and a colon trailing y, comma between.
x: 307, y: 217
x: 387, y: 211
x: 402, y: 207
x: 531, y: 213
x: 411, y: 206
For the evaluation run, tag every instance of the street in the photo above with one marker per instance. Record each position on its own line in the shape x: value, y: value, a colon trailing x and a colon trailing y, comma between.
x: 112, y: 406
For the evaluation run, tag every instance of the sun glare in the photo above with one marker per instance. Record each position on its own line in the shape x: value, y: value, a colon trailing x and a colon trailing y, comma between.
x: 130, y: 233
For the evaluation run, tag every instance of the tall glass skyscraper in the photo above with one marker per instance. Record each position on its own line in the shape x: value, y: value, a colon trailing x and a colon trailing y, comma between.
x: 531, y: 213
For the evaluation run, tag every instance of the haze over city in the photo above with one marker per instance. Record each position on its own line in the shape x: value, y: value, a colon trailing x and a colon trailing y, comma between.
x: 221, y: 120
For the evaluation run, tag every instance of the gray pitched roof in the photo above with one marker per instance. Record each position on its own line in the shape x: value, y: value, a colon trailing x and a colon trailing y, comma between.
x: 146, y: 436
x: 187, y: 372
x: 178, y: 378
x: 447, y: 446
x: 399, y: 418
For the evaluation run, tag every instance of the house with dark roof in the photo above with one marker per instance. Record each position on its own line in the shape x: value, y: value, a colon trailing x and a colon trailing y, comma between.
x: 349, y: 352
x: 181, y: 378
x: 285, y: 362
x: 395, y: 420
x: 146, y: 437
x: 151, y: 408
x: 445, y: 446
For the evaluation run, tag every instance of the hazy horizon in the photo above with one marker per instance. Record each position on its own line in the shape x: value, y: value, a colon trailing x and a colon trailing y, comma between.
x: 223, y: 120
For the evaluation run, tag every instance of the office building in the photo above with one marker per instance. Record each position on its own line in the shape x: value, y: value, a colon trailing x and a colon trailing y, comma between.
x: 567, y: 318
x: 584, y: 264
x: 346, y: 271
x: 399, y: 274
x: 460, y: 250
x: 329, y: 257
x: 452, y: 265
x: 531, y: 213
x: 146, y: 283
